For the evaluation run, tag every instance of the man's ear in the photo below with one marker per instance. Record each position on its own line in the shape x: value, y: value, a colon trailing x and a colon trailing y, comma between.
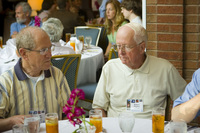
x: 23, y: 53
x: 142, y: 47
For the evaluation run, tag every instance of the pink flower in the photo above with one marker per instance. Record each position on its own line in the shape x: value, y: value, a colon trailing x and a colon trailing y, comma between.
x: 78, y: 111
x: 70, y: 101
x: 75, y: 114
x: 37, y: 21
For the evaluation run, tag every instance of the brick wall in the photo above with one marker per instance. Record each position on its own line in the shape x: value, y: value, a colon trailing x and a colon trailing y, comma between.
x: 173, y: 32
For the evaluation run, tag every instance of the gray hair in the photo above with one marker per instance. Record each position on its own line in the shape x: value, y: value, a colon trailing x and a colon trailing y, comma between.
x: 140, y: 34
x: 26, y: 38
x: 54, y: 29
x: 25, y: 6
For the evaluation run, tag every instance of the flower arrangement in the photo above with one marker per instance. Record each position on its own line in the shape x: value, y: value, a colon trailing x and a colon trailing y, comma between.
x: 74, y: 113
x: 37, y: 21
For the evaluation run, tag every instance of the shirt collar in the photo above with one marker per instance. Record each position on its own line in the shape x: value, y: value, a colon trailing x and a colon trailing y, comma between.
x: 22, y: 76
x: 143, y: 69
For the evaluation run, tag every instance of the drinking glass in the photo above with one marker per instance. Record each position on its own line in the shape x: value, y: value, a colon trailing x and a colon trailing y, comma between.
x: 32, y: 123
x: 1, y: 41
x: 197, y: 130
x: 19, y: 128
x: 51, y: 121
x: 88, y: 41
x: 81, y: 39
x: 178, y: 127
x: 79, y: 47
x: 67, y: 37
x: 96, y: 119
x: 72, y: 42
x: 158, y: 117
x: 126, y: 121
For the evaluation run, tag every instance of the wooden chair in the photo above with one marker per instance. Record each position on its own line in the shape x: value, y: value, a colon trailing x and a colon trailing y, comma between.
x: 94, y: 32
x: 69, y: 65
x: 112, y: 54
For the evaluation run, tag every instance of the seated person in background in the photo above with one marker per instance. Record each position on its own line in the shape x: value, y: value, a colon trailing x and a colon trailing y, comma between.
x: 32, y: 84
x: 132, y: 10
x: 54, y: 29
x: 48, y: 6
x: 187, y: 106
x: 114, y: 19
x: 136, y: 76
x: 102, y: 10
x: 68, y: 19
x: 23, y: 18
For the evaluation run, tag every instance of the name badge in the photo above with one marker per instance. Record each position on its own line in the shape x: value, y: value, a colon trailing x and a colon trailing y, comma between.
x: 41, y: 113
x: 135, y: 105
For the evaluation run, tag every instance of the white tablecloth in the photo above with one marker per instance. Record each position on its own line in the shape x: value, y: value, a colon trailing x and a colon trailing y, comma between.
x: 8, y: 56
x: 110, y: 125
x: 91, y: 60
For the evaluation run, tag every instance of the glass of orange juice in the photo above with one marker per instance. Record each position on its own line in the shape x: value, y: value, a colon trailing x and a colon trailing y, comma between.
x: 96, y: 119
x: 158, y: 117
x: 51, y: 121
x: 67, y: 37
x: 1, y: 42
x: 72, y: 42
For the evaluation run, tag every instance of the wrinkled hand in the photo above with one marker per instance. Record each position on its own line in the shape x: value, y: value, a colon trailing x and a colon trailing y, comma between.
x: 17, y: 119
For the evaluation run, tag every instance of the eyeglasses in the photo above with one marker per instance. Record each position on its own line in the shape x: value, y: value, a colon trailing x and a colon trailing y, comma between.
x: 127, y: 48
x: 41, y: 51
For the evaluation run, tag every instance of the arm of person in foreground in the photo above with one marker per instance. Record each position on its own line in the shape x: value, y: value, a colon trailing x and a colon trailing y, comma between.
x: 7, y: 123
x: 104, y: 113
x: 188, y: 110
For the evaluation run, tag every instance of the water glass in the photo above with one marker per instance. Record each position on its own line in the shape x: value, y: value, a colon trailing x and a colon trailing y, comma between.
x: 88, y: 41
x: 178, y: 127
x: 51, y: 121
x: 197, y: 130
x: 79, y: 47
x: 126, y: 121
x: 90, y: 129
x: 96, y: 119
x: 158, y: 117
x: 19, y: 128
x: 32, y: 123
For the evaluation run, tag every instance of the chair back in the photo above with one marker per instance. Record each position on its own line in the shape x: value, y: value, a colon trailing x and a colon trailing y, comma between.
x: 94, y: 32
x: 103, y: 39
x: 69, y: 65
x: 113, y: 54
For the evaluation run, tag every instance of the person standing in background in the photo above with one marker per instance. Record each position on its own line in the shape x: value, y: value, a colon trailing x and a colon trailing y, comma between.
x: 23, y: 17
x: 68, y: 19
x: 48, y: 6
x: 132, y: 10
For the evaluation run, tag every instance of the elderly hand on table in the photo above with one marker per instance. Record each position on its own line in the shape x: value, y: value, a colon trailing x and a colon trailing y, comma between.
x: 6, y: 124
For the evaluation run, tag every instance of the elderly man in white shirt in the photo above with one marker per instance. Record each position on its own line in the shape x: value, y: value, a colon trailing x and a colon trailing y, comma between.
x: 135, y: 78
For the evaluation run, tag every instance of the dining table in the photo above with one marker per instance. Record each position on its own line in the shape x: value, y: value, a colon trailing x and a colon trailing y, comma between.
x: 110, y: 125
x: 92, y: 60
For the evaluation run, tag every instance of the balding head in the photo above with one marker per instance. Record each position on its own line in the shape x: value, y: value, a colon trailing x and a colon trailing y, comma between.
x: 28, y: 36
x: 131, y: 39
x: 136, y: 30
